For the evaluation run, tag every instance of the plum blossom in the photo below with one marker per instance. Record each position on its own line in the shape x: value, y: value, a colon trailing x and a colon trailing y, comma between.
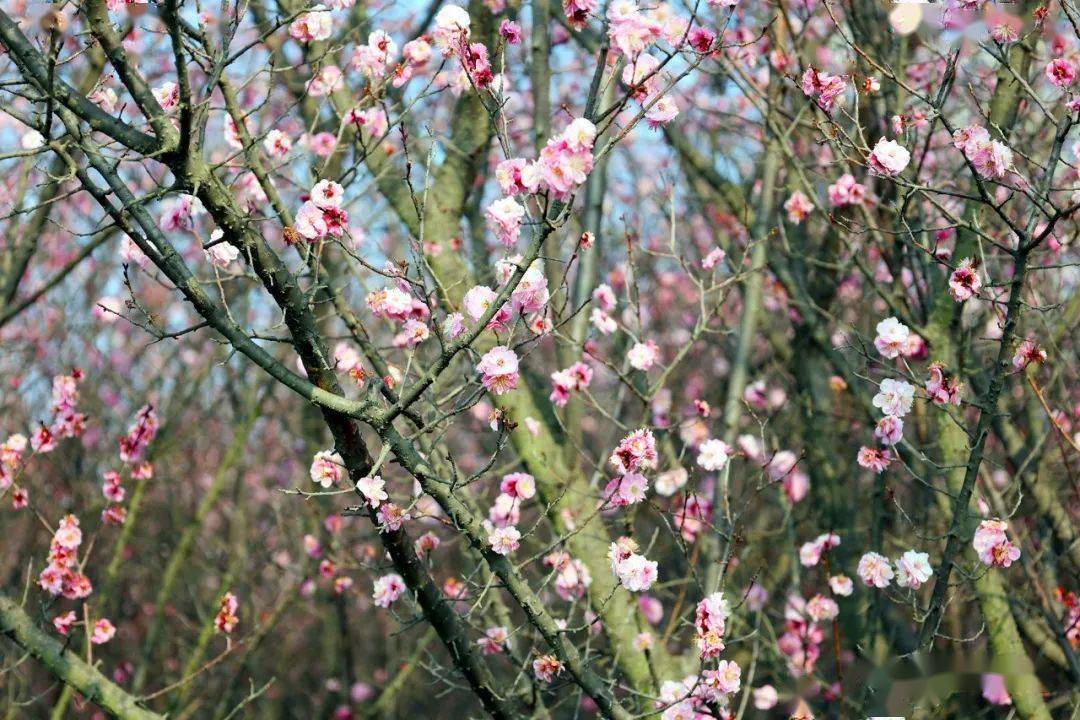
x: 710, y: 624
x: 892, y: 338
x: 889, y: 430
x: 494, y: 640
x: 825, y: 89
x: 913, y: 569
x: 504, y: 540
x: 765, y: 697
x: 942, y: 390
x: 452, y: 25
x: 874, y: 570
x: 504, y: 217
x: 226, y: 619
x: 888, y: 158
x: 810, y: 552
x: 388, y: 588
x: 874, y: 459
x: 636, y: 450
x: 327, y: 468
x: 845, y: 191
x: 713, y: 455
x: 546, y: 667
x: 626, y: 490
x: 992, y: 544
x: 372, y: 488
x: 636, y: 573
x: 841, y: 585
x: 498, y: 370
x: 798, y: 207
x: 1028, y: 352
x: 643, y: 355
x: 103, y: 632
x: 1061, y: 73
x: 314, y: 25
x: 894, y: 397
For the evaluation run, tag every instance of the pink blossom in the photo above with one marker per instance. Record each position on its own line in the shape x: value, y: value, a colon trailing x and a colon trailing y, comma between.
x: 888, y: 158
x: 63, y: 622
x: 845, y: 191
x: 798, y: 207
x: 894, y: 397
x: 494, y: 640
x: 312, y: 26
x: 940, y: 390
x: 841, y: 585
x: 504, y: 540
x: 498, y: 370
x: 518, y: 485
x: 1028, y: 352
x: 372, y: 488
x: 1061, y: 73
x: 546, y: 667
x: 889, y: 430
x: 713, y: 455
x: 993, y: 546
x: 103, y: 632
x: 227, y: 619
x: 504, y: 218
x: 643, y: 355
x: 892, y: 337
x: 994, y: 690
x: 578, y: 11
x: 388, y: 588
x: 636, y: 450
x: 327, y: 468
x: 874, y: 570
x: 517, y: 176
x: 913, y: 569
x: 874, y: 459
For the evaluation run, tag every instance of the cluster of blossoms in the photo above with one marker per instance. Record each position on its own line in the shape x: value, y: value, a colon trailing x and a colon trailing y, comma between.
x: 696, y: 696
x: 564, y: 164
x: 321, y: 214
x: 67, y: 422
x: 139, y: 435
x: 62, y: 575
x: 226, y: 620
x: 800, y: 643
x: 312, y: 26
x: 636, y: 573
x: 710, y: 624
x: 647, y: 84
x: 992, y: 159
x: 992, y: 544
x: 964, y: 283
x: 529, y: 298
x: 825, y: 89
x: 563, y: 382
x: 846, y: 191
x: 940, y: 389
x: 912, y: 570
x: 400, y: 307
x: 635, y: 453
x: 572, y: 578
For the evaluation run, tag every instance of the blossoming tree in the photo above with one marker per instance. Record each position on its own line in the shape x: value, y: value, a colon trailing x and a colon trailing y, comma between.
x: 525, y: 359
